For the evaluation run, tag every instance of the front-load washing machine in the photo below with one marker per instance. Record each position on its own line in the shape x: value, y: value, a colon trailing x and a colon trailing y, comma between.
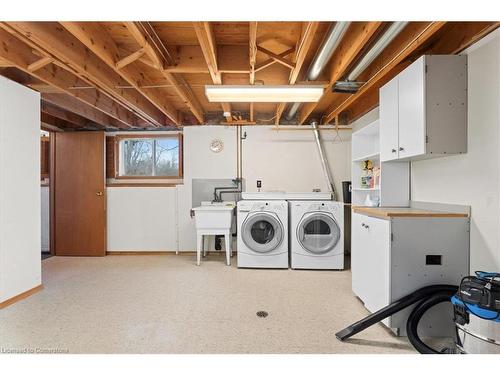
x: 316, y: 234
x: 262, y: 234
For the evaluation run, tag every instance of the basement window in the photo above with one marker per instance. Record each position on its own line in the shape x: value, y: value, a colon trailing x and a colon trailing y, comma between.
x: 147, y: 157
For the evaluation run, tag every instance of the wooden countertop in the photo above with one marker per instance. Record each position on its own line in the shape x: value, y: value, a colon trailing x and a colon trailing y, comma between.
x: 388, y: 212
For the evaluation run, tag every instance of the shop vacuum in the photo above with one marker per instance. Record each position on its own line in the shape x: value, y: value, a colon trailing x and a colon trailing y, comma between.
x: 476, y: 306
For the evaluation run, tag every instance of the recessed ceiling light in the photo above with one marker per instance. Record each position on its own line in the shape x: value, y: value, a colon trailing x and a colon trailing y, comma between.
x: 262, y: 93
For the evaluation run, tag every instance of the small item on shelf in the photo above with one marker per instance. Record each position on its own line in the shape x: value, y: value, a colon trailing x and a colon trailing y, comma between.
x: 372, y: 202
x: 367, y: 176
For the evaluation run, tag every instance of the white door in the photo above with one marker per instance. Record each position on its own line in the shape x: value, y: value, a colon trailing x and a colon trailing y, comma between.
x: 389, y: 120
x: 412, y: 110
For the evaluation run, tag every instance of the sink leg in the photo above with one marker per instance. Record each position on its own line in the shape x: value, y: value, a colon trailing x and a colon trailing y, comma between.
x: 199, y: 248
x: 227, y: 237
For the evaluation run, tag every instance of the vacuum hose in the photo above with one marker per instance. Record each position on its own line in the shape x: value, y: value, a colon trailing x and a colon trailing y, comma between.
x: 427, y: 297
x: 416, y: 315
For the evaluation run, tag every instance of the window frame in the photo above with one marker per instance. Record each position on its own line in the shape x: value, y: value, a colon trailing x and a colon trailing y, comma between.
x: 121, y: 137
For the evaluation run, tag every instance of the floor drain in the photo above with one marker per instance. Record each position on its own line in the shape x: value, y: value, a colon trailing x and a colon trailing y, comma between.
x: 262, y: 314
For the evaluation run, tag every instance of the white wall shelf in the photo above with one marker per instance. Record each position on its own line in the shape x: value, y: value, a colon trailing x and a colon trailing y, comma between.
x: 393, y: 187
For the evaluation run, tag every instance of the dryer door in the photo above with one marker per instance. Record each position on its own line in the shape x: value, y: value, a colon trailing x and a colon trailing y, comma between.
x: 262, y: 232
x: 318, y: 233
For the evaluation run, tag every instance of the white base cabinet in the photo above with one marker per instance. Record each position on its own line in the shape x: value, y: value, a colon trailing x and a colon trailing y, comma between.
x: 391, y: 258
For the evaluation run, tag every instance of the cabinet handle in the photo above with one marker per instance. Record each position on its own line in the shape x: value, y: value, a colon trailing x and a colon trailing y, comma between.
x: 401, y: 149
x: 365, y: 225
x: 393, y: 150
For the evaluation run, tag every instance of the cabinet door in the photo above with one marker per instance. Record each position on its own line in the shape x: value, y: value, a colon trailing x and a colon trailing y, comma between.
x: 370, y: 252
x: 359, y: 246
x: 389, y: 120
x: 412, y: 110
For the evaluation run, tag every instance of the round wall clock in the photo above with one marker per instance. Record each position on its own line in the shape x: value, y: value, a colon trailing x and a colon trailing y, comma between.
x: 216, y: 145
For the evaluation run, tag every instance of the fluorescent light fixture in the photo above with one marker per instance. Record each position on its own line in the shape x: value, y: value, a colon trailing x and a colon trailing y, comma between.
x: 263, y: 94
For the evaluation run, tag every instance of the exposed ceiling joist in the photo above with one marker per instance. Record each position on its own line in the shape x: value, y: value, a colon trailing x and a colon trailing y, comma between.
x: 208, y: 45
x: 303, y: 48
x: 93, y: 36
x: 71, y: 104
x: 51, y: 39
x: 252, y: 50
x: 69, y: 117
x: 358, y: 34
x: 252, y: 54
x: 57, y: 123
x: 459, y: 36
x: 149, y: 42
x: 21, y: 56
x: 158, y: 53
x: 407, y: 48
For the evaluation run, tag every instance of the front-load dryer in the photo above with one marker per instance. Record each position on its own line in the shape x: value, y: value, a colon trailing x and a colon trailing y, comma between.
x: 316, y: 235
x: 262, y: 234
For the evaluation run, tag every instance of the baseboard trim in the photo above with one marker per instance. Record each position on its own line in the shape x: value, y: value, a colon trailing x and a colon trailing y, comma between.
x: 190, y: 252
x: 21, y: 296
x: 120, y: 252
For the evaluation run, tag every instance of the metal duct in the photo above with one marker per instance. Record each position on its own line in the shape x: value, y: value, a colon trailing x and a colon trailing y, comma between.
x: 378, y: 47
x: 322, y: 57
x: 324, y: 162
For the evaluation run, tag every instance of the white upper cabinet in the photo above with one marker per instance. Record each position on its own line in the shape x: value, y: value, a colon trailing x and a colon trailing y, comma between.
x: 389, y: 133
x: 423, y: 110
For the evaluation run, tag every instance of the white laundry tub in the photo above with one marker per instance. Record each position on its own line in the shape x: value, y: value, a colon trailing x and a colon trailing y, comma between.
x: 214, y: 216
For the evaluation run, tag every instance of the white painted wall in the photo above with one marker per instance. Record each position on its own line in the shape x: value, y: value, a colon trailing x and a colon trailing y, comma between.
x: 473, y: 178
x: 200, y: 162
x: 45, y: 218
x: 284, y: 160
x: 20, y: 263
x: 142, y: 218
x: 289, y: 160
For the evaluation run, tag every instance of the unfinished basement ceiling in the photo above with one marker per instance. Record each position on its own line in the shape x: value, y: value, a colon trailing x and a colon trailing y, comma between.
x: 152, y: 75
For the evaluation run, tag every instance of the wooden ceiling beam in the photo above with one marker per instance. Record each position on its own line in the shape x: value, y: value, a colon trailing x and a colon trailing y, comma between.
x: 452, y: 38
x: 70, y: 117
x: 208, y: 45
x: 303, y: 47
x: 93, y: 36
x: 51, y: 39
x: 48, y: 119
x: 21, y: 56
x: 158, y: 53
x: 356, y: 37
x: 149, y: 42
x: 72, y: 104
x: 428, y: 29
x: 252, y: 49
x: 252, y: 54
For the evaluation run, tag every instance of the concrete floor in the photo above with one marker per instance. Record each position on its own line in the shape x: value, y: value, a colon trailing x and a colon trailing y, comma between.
x: 166, y: 304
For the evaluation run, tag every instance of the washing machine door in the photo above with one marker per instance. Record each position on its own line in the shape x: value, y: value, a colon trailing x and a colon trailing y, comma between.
x: 262, y: 232
x: 318, y: 232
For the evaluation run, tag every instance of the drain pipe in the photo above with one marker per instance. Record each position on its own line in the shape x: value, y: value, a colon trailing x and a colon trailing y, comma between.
x: 324, y: 161
x: 322, y: 57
